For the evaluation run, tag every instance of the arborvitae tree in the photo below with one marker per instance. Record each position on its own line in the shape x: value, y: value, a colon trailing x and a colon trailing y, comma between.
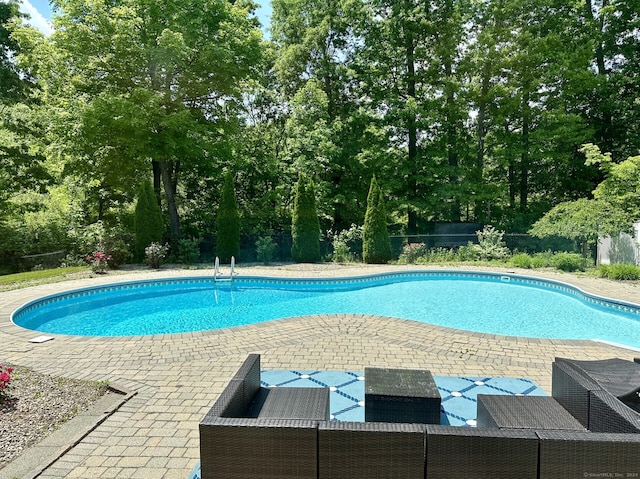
x: 305, y: 227
x: 228, y: 222
x: 149, y: 225
x: 376, y: 245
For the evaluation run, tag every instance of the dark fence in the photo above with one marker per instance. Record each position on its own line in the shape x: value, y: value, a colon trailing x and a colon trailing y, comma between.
x: 522, y: 243
x: 41, y: 261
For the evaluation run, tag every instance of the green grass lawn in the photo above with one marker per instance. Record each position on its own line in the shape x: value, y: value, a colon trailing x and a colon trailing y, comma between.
x: 11, y: 281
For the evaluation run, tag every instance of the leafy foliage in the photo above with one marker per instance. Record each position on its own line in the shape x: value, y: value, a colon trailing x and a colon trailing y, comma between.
x: 624, y: 272
x: 413, y: 252
x: 342, y: 243
x: 265, y: 247
x: 491, y: 244
x: 305, y: 226
x: 155, y: 254
x: 614, y: 208
x: 228, y: 222
x: 376, y: 245
x: 570, y: 262
x: 149, y: 225
x: 466, y: 111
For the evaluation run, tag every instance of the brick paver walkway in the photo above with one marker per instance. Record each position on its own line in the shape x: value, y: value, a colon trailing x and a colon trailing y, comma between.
x: 178, y: 377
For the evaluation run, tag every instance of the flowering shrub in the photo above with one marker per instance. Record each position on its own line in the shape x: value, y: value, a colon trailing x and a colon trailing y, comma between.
x: 99, y: 261
x: 342, y: 242
x: 5, y: 378
x: 155, y: 253
x: 491, y: 244
x: 411, y: 252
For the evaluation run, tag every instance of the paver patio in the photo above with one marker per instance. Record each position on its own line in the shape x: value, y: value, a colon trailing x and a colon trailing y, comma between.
x: 178, y: 377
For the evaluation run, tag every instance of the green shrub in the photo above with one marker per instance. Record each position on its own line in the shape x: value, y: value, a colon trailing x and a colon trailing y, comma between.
x: 188, y: 251
x: 465, y: 253
x: 305, y: 226
x: 542, y: 260
x: 228, y: 222
x: 376, y: 245
x: 118, y: 252
x: 569, y: 262
x: 624, y: 272
x: 439, y: 255
x: 412, y: 253
x: 265, y: 247
x: 341, y: 244
x: 521, y: 260
x: 491, y: 244
x: 155, y: 254
x: 149, y: 225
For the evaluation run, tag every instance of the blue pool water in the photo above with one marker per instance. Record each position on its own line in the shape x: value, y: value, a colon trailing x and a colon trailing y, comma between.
x: 481, y: 302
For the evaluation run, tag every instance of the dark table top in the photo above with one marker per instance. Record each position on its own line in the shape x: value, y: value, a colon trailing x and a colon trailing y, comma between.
x: 400, y: 382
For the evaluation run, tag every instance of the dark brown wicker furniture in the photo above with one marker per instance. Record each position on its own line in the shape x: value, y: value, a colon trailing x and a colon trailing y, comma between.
x: 401, y: 395
x: 524, y: 412
x: 364, y: 450
x: 234, y: 445
x: 601, y: 403
x: 455, y: 452
x: 251, y: 432
x: 588, y: 454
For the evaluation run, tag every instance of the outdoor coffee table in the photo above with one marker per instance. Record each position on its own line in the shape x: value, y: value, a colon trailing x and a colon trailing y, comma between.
x: 401, y: 395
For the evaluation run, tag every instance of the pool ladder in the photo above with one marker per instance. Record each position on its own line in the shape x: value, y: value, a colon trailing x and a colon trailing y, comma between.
x: 220, y: 277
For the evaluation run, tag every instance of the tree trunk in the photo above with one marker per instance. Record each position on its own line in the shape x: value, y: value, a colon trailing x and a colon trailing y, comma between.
x: 525, y: 154
x: 605, y: 130
x: 451, y: 138
x: 478, y: 170
x: 157, y: 181
x: 169, y: 173
x: 412, y: 133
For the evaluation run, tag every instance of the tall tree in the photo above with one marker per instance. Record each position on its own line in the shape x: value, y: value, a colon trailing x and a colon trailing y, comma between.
x: 12, y: 81
x: 156, y: 85
x: 316, y: 46
x: 149, y: 227
x: 228, y: 222
x: 376, y: 246
x: 305, y: 227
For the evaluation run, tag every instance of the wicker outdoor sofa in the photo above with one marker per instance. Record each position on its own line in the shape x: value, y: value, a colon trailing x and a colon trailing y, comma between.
x: 245, y: 435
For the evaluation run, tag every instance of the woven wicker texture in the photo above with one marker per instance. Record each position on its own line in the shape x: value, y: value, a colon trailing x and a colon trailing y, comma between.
x: 358, y: 450
x: 617, y: 376
x: 608, y: 414
x: 291, y: 403
x: 571, y: 389
x: 454, y: 452
x: 565, y: 454
x: 524, y: 412
x: 258, y: 449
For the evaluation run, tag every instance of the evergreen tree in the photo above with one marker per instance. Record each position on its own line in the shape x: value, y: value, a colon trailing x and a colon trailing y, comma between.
x: 149, y: 226
x: 376, y: 245
x: 228, y: 222
x: 305, y: 227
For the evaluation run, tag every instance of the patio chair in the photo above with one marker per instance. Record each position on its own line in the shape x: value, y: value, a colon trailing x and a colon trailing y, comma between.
x: 262, y: 433
x: 603, y: 395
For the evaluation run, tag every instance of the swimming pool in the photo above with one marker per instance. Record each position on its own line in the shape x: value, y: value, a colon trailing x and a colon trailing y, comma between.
x: 481, y: 302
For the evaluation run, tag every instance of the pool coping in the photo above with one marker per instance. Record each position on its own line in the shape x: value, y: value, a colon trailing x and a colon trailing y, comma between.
x: 553, y: 284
